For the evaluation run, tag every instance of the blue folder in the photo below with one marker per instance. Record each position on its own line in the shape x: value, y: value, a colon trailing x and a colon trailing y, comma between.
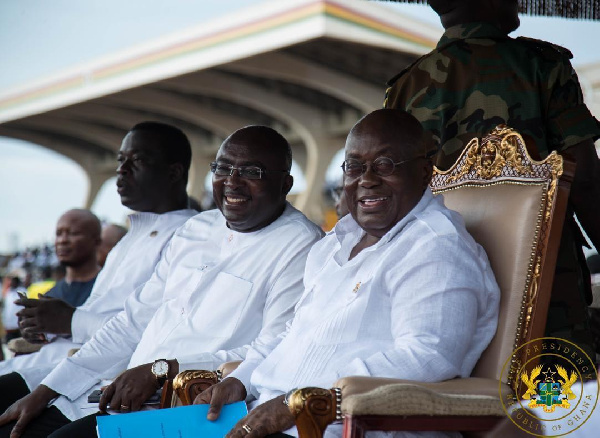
x: 181, y: 422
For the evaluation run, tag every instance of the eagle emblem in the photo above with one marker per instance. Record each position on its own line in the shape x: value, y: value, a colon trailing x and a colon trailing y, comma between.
x: 567, y: 383
x: 530, y: 381
x: 548, y: 393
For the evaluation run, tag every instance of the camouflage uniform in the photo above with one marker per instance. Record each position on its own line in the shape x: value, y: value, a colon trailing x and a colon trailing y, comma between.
x: 477, y: 78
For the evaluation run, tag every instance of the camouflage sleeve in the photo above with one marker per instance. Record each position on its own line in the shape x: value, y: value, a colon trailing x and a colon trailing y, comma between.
x: 569, y: 121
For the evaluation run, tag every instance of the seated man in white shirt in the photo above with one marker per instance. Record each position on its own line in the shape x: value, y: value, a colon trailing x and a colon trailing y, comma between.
x: 397, y: 289
x: 154, y: 161
x: 230, y: 278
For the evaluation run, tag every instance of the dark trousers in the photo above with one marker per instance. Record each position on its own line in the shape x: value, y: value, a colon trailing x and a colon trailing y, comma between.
x: 83, y: 428
x: 13, y: 388
x: 51, y: 423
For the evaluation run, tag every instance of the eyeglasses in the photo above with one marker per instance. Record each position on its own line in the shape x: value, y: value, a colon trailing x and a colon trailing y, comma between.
x: 247, y: 172
x: 382, y: 166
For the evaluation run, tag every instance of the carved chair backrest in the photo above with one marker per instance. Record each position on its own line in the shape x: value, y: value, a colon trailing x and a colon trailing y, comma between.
x: 514, y: 207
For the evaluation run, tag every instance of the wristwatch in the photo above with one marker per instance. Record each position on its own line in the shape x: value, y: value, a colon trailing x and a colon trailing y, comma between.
x: 160, y: 369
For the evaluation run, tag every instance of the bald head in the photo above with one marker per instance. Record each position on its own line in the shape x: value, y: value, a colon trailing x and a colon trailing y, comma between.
x: 88, y: 221
x: 395, y: 127
x: 270, y: 139
x: 501, y: 13
x: 77, y: 237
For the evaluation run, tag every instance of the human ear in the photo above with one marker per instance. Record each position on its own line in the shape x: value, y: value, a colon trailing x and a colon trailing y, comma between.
x: 175, y: 172
x: 288, y: 182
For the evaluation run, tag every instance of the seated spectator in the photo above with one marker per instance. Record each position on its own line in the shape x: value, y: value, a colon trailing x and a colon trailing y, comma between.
x: 229, y: 279
x: 152, y: 177
x: 17, y: 261
x: 111, y: 234
x: 397, y: 289
x: 77, y: 239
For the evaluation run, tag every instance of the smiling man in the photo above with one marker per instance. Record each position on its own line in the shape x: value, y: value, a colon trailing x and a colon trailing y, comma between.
x: 229, y: 279
x: 397, y: 289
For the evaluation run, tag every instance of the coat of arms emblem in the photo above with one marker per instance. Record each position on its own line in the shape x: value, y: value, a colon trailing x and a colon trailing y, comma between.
x: 549, y: 392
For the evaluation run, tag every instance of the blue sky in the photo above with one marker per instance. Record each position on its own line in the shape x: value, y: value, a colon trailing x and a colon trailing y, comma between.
x: 41, y: 37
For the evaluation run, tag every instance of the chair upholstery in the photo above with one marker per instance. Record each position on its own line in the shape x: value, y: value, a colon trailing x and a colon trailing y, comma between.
x: 514, y: 207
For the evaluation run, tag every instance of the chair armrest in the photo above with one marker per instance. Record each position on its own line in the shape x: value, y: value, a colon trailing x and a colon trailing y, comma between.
x: 380, y: 396
x: 20, y: 346
x: 315, y: 409
x: 188, y: 384
x: 228, y: 367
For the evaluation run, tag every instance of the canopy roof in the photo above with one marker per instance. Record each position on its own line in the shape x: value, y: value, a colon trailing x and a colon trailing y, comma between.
x: 583, y: 9
x: 308, y: 68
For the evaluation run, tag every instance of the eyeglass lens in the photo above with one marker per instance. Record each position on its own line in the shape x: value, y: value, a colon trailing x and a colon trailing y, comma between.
x: 248, y: 172
x: 382, y: 166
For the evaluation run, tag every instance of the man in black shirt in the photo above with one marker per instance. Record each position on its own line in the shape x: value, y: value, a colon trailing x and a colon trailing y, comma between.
x: 77, y: 240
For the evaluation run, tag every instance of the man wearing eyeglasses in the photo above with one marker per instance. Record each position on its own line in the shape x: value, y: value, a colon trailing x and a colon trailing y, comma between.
x: 398, y: 289
x: 229, y: 279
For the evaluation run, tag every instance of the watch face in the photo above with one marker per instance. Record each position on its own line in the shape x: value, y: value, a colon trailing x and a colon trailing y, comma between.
x: 160, y: 368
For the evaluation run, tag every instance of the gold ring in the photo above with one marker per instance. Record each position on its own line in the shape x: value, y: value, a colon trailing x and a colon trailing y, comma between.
x: 247, y: 428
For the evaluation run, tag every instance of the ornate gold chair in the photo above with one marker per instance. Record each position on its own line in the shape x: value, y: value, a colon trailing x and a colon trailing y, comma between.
x: 184, y: 388
x: 514, y: 207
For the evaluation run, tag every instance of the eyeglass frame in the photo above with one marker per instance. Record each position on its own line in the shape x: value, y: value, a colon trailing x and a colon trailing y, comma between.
x: 213, y: 168
x: 370, y: 164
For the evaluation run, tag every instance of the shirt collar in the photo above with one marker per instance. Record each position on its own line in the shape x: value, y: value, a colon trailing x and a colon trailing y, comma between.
x: 470, y: 30
x: 243, y: 237
x: 146, y: 217
x: 347, y: 224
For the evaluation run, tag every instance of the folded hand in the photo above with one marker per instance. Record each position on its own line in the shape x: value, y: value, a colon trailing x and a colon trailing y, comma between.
x: 45, y: 315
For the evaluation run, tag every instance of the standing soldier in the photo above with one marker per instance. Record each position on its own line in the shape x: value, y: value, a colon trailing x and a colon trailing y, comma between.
x: 477, y: 78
